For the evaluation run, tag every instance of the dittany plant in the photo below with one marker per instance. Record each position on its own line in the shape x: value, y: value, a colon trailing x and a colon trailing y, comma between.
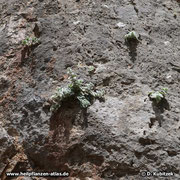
x: 85, y: 93
x: 29, y: 41
x: 157, y: 96
x: 131, y: 36
x: 91, y: 69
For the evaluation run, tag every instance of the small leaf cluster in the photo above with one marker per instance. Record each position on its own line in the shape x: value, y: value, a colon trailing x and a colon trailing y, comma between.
x: 30, y: 41
x: 76, y: 89
x: 131, y: 36
x: 157, y: 96
x: 91, y: 69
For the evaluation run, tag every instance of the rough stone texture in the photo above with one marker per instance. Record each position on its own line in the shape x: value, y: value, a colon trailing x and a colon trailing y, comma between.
x: 7, y: 150
x: 115, y: 139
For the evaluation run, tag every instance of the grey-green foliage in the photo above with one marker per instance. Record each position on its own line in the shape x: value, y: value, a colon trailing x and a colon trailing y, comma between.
x: 91, y: 68
x: 29, y: 41
x: 157, y: 96
x: 85, y: 93
x: 131, y: 36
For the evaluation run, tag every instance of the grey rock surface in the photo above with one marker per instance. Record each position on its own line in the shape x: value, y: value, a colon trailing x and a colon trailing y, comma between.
x: 115, y: 139
x: 7, y: 150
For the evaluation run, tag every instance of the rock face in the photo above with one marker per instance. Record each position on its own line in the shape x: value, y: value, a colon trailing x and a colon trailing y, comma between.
x: 116, y: 139
x: 7, y: 150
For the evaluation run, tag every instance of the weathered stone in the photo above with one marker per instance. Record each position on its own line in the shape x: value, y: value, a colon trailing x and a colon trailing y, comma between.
x: 7, y: 149
x: 115, y: 139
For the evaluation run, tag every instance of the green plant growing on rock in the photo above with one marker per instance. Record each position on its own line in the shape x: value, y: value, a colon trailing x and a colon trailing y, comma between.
x: 158, y: 96
x: 28, y: 44
x: 131, y: 36
x: 77, y: 89
x: 30, y: 41
x: 91, y: 69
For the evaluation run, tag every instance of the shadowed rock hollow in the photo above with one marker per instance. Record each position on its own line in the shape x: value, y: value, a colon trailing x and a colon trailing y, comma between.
x: 115, y: 139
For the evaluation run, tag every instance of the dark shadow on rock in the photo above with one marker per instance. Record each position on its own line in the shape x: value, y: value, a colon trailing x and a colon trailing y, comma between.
x: 146, y: 141
x: 132, y: 46
x: 159, y: 110
x: 178, y: 2
x: 63, y: 135
x: 37, y: 30
x: 26, y: 51
x: 84, y: 116
x: 161, y: 106
x: 70, y: 114
x: 21, y: 167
